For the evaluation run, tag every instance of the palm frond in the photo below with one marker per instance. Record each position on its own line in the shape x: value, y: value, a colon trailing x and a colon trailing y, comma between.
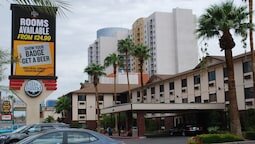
x: 49, y: 6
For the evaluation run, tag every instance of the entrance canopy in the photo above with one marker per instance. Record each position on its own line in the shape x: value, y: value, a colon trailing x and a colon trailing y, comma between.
x: 163, y: 107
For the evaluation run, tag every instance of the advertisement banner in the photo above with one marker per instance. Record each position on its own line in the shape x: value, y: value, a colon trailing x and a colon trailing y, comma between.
x: 33, y: 42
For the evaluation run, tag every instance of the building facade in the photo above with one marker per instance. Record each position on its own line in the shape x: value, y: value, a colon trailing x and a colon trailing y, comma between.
x: 203, y: 84
x: 167, y: 96
x: 169, y: 36
x: 105, y: 44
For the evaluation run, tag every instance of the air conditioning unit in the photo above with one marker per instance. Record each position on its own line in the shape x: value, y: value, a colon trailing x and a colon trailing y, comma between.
x: 247, y: 77
x: 118, y: 102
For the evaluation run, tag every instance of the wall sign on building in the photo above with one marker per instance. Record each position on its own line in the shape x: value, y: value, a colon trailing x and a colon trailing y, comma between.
x: 33, y: 42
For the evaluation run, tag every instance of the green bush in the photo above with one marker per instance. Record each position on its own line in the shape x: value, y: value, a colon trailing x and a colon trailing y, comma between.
x: 213, y: 129
x: 213, y: 138
x: 194, y: 140
x: 219, y: 138
x: 250, y: 135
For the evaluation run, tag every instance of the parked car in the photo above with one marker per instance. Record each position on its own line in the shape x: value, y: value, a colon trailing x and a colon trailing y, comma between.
x: 186, y: 130
x: 28, y: 130
x: 69, y: 136
x: 9, y: 128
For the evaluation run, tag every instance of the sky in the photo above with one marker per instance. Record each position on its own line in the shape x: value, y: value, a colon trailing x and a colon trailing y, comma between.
x: 77, y: 30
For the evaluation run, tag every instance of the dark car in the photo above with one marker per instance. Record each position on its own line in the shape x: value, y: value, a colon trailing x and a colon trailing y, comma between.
x: 28, y: 130
x: 186, y: 130
x: 69, y: 136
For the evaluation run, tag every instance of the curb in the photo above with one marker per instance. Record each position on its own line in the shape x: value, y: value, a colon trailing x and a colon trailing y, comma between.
x: 240, y: 142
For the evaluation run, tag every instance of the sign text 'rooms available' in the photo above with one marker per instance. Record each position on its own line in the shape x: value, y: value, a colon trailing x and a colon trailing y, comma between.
x: 34, y: 29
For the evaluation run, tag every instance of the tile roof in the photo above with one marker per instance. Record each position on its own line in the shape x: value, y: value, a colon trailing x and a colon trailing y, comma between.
x: 104, y: 88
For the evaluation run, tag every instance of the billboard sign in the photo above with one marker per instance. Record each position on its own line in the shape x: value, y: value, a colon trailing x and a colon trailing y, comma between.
x: 33, y: 42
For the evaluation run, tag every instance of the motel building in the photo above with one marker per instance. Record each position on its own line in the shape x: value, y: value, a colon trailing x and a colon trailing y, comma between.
x: 169, y: 100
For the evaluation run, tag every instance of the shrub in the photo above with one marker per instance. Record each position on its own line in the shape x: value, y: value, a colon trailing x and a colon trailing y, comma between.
x: 213, y: 130
x: 219, y: 138
x: 250, y: 135
x: 194, y: 140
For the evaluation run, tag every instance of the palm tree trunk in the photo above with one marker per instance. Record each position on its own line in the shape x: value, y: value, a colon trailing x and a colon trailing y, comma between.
x: 98, y: 110
x: 251, y: 45
x: 129, y: 92
x: 141, y: 79
x: 235, y: 125
x: 115, y: 97
x: 227, y: 43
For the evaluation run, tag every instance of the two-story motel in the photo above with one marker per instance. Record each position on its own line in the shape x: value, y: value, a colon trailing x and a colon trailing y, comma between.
x: 169, y: 97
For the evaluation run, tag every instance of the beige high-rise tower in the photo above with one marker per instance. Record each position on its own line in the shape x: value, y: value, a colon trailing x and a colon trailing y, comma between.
x: 138, y: 38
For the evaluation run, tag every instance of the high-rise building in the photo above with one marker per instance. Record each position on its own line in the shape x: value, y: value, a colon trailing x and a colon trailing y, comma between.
x: 138, y: 38
x: 105, y: 44
x: 169, y: 36
x: 172, y: 41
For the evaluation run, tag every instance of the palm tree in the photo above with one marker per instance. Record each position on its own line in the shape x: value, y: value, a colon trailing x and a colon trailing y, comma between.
x: 142, y: 53
x: 63, y: 105
x: 95, y: 71
x: 217, y: 21
x: 4, y: 59
x: 125, y: 46
x: 49, y: 4
x: 114, y: 60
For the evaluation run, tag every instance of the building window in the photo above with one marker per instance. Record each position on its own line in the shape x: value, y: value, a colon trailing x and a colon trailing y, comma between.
x: 248, y: 93
x: 101, y: 97
x: 249, y: 103
x: 81, y: 97
x: 145, y: 92
x: 161, y: 88
x: 138, y: 93
x: 226, y: 96
x: 247, y: 67
x: 152, y: 90
x: 185, y: 100
x: 97, y: 111
x: 81, y: 111
x: 196, y: 79
x: 184, y: 82
x: 171, y: 101
x: 211, y: 76
x: 225, y: 72
x: 198, y: 99
x: 213, y: 97
x: 171, y: 86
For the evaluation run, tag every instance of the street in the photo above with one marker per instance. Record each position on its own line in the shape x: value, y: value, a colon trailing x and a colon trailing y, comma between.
x: 161, y: 140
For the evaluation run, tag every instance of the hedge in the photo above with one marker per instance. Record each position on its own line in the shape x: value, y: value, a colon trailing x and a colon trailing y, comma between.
x: 214, y: 138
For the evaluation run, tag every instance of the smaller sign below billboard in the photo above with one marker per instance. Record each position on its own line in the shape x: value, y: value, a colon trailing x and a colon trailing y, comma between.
x: 6, y: 117
x: 6, y: 106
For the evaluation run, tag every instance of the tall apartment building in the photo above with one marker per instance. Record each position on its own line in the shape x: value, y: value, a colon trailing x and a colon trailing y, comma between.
x: 138, y: 38
x: 169, y: 36
x: 106, y: 43
x: 171, y: 39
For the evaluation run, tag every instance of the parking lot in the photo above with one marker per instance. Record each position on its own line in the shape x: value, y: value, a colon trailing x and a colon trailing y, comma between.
x: 161, y: 140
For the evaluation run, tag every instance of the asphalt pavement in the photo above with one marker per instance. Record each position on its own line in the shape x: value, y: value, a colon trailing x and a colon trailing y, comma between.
x: 161, y: 140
